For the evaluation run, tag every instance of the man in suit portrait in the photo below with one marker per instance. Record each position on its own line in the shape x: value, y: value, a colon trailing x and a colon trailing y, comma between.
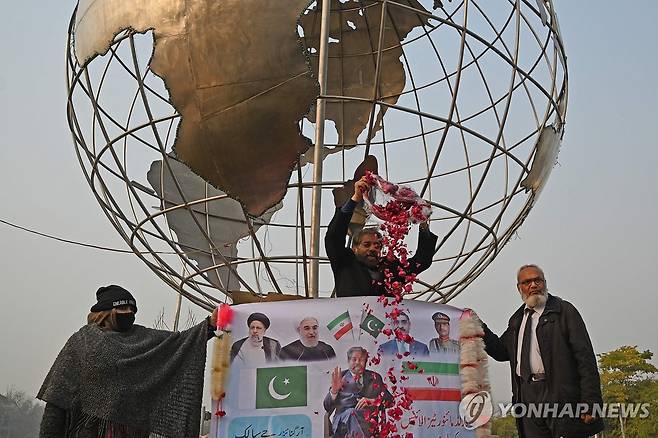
x: 353, y: 393
x: 443, y: 344
x: 397, y: 346
x: 256, y: 349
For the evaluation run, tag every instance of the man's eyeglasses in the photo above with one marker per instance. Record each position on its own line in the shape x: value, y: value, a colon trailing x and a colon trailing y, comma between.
x: 538, y: 281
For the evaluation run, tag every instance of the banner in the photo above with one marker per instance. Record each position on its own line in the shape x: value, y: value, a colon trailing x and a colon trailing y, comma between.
x: 292, y: 366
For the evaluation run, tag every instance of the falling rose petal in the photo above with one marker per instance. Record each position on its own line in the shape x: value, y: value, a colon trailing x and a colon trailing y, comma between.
x: 399, y: 208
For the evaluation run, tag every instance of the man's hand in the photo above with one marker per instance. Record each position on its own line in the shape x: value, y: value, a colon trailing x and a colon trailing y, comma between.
x: 336, y: 382
x: 424, y: 226
x: 213, y: 318
x: 587, y: 419
x: 360, y: 188
x: 363, y: 402
x: 468, y: 313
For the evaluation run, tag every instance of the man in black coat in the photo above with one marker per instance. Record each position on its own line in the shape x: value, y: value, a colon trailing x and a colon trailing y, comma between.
x: 552, y: 362
x: 359, y: 271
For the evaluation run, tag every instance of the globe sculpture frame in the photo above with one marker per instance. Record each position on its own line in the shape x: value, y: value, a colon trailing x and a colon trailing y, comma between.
x: 478, y: 101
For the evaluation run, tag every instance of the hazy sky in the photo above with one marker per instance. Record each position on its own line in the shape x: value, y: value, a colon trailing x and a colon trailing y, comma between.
x: 593, y: 229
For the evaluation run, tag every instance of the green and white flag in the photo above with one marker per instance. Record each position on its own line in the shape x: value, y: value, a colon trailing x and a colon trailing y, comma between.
x: 281, y: 387
x: 340, y: 325
x: 372, y: 325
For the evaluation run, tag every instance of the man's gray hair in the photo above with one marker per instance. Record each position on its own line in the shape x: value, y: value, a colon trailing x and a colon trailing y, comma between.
x: 353, y: 350
x: 358, y: 236
x: 530, y: 266
x: 307, y: 318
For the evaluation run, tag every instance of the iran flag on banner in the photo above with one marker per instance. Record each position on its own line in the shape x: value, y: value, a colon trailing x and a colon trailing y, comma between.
x: 432, y: 381
x: 340, y: 325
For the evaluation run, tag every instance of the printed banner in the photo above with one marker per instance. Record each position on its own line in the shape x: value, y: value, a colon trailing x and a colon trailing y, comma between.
x: 292, y: 369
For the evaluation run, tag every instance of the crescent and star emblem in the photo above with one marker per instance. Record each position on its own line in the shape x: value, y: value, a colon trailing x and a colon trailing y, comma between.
x: 369, y: 327
x: 275, y: 395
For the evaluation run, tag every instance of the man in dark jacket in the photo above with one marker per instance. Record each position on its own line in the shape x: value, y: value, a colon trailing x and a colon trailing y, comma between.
x: 359, y: 271
x: 552, y: 362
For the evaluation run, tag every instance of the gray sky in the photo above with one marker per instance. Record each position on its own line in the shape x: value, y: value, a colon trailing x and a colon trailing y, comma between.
x: 593, y: 229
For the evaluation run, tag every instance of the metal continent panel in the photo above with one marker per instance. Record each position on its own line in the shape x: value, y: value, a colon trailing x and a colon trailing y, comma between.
x: 354, y: 29
x: 237, y: 74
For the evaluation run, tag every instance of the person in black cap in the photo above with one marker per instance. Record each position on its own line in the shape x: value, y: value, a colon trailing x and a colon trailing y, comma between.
x: 256, y: 349
x: 115, y: 309
x: 116, y: 378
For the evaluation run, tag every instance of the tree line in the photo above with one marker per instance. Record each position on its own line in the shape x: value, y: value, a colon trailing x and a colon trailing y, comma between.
x: 627, y: 376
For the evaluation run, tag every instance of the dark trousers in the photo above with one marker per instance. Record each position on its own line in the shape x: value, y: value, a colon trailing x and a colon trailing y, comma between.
x: 533, y: 426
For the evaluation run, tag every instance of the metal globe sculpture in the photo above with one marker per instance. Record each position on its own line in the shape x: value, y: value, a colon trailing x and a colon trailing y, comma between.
x: 218, y: 137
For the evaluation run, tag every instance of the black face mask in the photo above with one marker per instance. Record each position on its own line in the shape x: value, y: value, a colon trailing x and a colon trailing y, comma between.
x: 125, y: 321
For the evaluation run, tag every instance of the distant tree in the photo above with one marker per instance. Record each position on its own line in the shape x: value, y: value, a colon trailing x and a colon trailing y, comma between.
x: 23, y: 415
x: 504, y: 427
x: 628, y: 377
x: 160, y: 322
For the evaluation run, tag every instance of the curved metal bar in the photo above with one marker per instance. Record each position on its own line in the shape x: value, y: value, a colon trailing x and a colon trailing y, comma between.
x: 539, y: 77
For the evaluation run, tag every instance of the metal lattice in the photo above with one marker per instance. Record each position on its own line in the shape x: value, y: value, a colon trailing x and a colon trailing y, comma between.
x: 473, y: 125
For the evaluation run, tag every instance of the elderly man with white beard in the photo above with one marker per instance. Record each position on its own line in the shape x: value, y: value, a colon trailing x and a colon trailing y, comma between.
x: 552, y: 362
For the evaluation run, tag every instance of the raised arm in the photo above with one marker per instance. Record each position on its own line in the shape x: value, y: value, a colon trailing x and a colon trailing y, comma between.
x: 422, y: 258
x: 334, y: 239
x: 329, y: 402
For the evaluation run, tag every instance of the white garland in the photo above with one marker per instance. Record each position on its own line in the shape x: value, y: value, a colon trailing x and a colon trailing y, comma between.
x: 474, y: 370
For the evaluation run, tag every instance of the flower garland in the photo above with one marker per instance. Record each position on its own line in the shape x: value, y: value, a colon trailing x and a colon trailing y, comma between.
x: 221, y: 356
x: 401, y: 208
x: 473, y: 368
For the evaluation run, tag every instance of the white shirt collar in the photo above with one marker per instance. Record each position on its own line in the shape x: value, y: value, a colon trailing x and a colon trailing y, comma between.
x: 538, y: 309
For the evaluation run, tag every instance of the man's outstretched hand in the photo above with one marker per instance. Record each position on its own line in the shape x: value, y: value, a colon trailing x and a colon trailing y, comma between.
x: 213, y: 318
x: 360, y: 188
x: 336, y: 382
x: 587, y: 419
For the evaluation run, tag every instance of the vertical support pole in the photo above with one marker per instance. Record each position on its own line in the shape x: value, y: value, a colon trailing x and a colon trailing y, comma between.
x: 314, y: 274
x: 179, y: 302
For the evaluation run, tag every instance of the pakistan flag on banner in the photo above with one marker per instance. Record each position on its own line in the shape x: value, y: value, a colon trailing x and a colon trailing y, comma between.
x: 281, y: 387
x: 372, y: 325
